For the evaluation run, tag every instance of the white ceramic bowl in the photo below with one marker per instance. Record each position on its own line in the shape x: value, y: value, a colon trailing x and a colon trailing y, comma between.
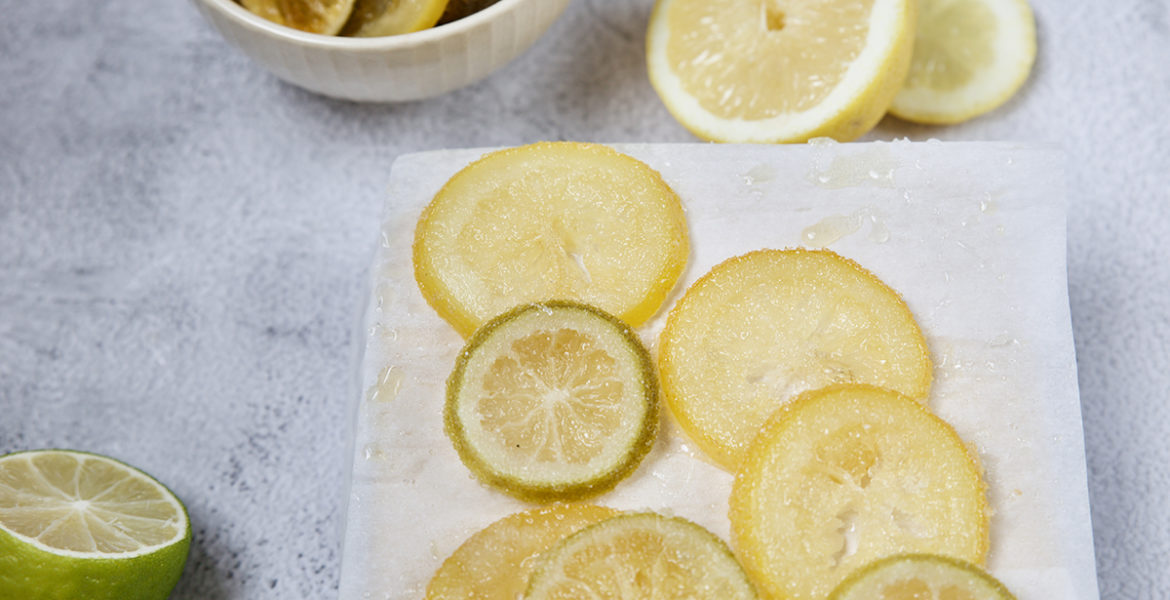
x: 393, y: 68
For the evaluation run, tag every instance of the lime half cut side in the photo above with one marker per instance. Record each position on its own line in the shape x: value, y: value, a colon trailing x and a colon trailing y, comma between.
x: 552, y: 401
x: 77, y: 525
x: 915, y: 576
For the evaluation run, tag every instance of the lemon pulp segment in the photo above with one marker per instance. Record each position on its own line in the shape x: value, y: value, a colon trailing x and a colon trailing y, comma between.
x: 920, y: 576
x: 550, y: 221
x: 556, y: 400
x: 970, y: 56
x: 640, y: 556
x: 779, y: 71
x: 849, y: 474
x: 495, y: 562
x: 325, y: 17
x: 761, y: 328
x: 374, y: 18
x: 77, y: 525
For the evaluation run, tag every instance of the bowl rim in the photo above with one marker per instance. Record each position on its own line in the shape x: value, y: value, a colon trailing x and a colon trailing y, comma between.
x: 242, y: 16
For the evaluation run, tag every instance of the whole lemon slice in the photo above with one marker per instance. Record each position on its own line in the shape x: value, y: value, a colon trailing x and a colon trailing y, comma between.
x: 552, y: 401
x: 920, y: 577
x: 779, y: 71
x: 970, y: 57
x: 495, y: 562
x: 848, y: 474
x: 374, y: 18
x: 761, y: 328
x: 77, y: 525
x: 640, y: 556
x: 548, y: 221
x: 325, y: 17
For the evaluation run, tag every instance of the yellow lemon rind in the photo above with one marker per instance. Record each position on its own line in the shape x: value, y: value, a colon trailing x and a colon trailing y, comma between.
x: 969, y: 570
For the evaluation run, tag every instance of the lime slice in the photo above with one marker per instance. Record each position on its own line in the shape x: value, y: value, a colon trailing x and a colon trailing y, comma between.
x: 495, y: 562
x: 77, y: 525
x: 639, y: 556
x: 550, y: 221
x: 375, y: 18
x: 552, y: 401
x: 761, y: 328
x: 921, y: 577
x: 970, y: 57
x: 848, y: 474
x: 779, y: 70
x: 325, y: 17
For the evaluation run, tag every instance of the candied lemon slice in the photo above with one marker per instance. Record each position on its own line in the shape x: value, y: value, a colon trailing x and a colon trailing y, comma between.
x: 374, y: 18
x: 640, y: 556
x: 556, y: 400
x: 921, y: 577
x: 457, y: 9
x: 550, y: 221
x: 970, y: 57
x: 495, y: 562
x: 848, y: 474
x: 760, y: 328
x: 326, y: 17
x: 779, y: 70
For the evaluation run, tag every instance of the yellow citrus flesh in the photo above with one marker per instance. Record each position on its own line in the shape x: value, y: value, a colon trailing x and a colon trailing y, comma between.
x: 970, y: 57
x: 773, y: 71
x: 921, y: 577
x: 640, y: 556
x: 846, y: 475
x: 326, y: 17
x: 552, y: 401
x: 494, y: 563
x: 374, y: 18
x: 77, y: 525
x: 550, y: 221
x: 761, y: 328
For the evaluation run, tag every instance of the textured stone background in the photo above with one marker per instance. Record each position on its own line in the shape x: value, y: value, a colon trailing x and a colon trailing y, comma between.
x: 182, y: 240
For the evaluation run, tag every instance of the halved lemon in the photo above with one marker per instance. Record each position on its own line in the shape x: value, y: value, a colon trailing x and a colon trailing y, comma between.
x: 77, y: 525
x: 552, y: 401
x: 779, y: 70
x: 373, y: 18
x: 970, y: 57
x: 495, y: 562
x: 640, y: 556
x: 325, y: 17
x: 761, y: 328
x: 849, y: 474
x: 556, y: 220
x: 921, y: 577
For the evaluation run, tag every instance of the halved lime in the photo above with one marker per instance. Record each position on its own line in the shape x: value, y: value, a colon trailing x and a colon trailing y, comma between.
x: 638, y: 556
x: 555, y: 400
x: 77, y: 525
x: 919, y: 577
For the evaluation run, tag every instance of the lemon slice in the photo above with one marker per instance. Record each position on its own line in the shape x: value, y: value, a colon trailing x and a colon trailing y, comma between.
x: 552, y: 401
x: 76, y: 525
x: 495, y: 562
x: 759, y: 329
x: 970, y: 56
x: 314, y: 16
x: 640, y: 556
x: 457, y: 9
x: 848, y: 474
x: 921, y: 577
x: 374, y: 18
x: 779, y: 71
x: 550, y: 221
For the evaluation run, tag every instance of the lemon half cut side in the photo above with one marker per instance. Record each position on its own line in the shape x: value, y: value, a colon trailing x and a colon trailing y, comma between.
x: 766, y: 71
x: 78, y: 525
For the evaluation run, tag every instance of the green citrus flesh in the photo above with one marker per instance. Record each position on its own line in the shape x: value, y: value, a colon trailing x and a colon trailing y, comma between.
x: 552, y: 401
x: 76, y: 525
x: 920, y: 577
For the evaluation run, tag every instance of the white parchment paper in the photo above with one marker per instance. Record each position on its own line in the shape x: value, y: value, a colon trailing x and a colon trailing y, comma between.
x: 971, y: 234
